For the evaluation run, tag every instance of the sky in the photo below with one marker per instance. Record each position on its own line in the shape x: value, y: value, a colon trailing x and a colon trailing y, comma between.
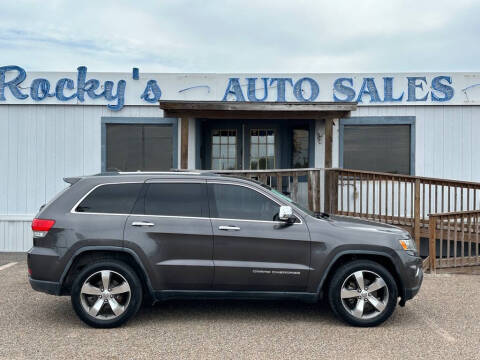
x: 295, y: 36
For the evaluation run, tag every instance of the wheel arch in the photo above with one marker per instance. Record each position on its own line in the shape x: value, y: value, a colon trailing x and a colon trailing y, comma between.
x: 85, y: 255
x: 346, y: 256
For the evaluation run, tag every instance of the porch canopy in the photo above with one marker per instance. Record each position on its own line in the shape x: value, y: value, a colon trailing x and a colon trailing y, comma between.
x: 186, y: 110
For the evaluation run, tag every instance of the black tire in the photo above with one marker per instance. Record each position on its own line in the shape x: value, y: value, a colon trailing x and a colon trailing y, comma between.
x: 345, y: 272
x: 135, y: 298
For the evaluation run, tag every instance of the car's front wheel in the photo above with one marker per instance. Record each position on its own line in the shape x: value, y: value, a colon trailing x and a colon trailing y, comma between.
x: 363, y: 293
x: 106, y: 294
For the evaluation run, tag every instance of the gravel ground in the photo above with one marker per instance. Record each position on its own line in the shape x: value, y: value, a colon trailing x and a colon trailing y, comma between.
x: 8, y: 257
x: 443, y: 321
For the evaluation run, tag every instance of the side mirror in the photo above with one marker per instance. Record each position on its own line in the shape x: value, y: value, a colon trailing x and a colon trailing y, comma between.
x: 286, y: 214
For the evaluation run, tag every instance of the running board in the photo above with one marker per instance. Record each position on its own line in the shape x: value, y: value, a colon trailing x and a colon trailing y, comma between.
x: 238, y: 295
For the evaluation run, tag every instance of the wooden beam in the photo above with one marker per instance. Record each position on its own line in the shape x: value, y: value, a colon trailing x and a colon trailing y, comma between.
x: 179, y: 105
x: 184, y: 143
x: 328, y: 142
x: 241, y: 114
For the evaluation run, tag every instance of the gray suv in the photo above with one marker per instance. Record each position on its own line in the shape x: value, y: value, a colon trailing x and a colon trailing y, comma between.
x: 114, y: 241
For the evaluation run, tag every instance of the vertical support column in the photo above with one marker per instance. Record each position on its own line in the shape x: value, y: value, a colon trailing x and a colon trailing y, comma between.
x: 328, y: 142
x: 331, y: 192
x: 416, y: 213
x: 184, y: 143
x: 432, y: 250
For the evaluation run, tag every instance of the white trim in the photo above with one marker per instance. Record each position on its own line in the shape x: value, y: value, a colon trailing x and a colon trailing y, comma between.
x: 173, y: 216
x: 72, y: 211
x: 260, y: 221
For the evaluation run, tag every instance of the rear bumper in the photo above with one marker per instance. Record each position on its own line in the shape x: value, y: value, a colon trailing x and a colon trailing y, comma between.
x: 48, y: 287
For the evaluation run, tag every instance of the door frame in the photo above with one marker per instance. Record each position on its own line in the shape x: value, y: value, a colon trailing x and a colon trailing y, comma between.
x: 283, y: 141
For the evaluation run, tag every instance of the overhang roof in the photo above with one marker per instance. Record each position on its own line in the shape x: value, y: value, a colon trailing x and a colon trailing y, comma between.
x: 237, y: 109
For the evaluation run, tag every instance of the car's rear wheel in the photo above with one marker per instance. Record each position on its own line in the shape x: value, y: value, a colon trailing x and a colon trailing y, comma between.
x: 363, y: 293
x: 106, y: 293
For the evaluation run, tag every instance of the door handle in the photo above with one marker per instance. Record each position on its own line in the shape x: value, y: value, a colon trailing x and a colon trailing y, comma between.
x: 228, y: 227
x: 142, y: 223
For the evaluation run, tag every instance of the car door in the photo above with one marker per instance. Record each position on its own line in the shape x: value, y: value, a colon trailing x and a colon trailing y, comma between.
x: 171, y: 228
x: 253, y: 251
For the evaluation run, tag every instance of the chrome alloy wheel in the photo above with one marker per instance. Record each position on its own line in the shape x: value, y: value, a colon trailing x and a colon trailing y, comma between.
x: 105, y: 295
x: 364, y: 294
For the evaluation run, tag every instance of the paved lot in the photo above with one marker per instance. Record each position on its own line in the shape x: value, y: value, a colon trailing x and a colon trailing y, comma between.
x: 6, y: 258
x: 442, y: 322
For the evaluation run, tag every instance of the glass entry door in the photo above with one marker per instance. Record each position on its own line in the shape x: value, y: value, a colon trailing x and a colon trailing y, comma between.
x: 262, y: 149
x: 224, y: 149
x: 235, y: 144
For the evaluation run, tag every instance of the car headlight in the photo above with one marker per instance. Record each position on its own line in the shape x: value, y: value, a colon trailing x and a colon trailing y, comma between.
x: 408, y: 244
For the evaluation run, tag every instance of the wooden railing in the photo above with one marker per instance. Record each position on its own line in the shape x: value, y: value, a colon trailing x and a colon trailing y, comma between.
x: 304, y: 186
x: 398, y: 199
x: 454, y: 239
x: 406, y: 201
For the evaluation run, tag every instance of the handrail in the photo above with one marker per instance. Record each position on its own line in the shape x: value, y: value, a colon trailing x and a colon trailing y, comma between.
x: 457, y: 232
x: 412, y: 177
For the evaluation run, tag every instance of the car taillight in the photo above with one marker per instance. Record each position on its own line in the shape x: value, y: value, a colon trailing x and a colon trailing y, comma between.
x: 40, y: 227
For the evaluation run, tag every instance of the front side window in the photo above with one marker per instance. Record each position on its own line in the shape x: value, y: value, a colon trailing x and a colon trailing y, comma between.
x: 176, y: 199
x: 240, y: 202
x: 383, y: 148
x: 111, y: 199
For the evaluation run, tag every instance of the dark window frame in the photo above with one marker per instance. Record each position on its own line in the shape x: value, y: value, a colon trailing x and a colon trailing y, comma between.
x: 173, y: 122
x: 227, y: 145
x: 379, y: 120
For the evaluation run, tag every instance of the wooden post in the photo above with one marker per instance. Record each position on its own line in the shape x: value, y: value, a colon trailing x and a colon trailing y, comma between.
x: 184, y: 143
x: 317, y: 190
x: 416, y: 214
x: 328, y: 142
x: 331, y: 191
x: 432, y: 249
x: 310, y: 190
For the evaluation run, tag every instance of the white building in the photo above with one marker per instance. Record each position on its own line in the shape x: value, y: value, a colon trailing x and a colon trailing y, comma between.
x: 54, y: 125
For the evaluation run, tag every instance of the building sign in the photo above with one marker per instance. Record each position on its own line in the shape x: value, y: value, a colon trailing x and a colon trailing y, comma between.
x: 116, y: 90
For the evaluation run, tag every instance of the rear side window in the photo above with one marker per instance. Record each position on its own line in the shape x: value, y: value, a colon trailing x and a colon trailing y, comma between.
x: 111, y: 199
x: 176, y: 199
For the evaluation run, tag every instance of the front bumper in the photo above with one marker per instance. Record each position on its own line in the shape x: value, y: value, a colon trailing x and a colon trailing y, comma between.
x: 49, y: 287
x: 413, y: 278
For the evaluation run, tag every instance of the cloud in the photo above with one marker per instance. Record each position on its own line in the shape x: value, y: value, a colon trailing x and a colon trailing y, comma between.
x: 246, y: 36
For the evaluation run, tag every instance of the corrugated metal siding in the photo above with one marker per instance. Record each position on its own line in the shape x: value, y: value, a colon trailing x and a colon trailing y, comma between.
x: 445, y: 138
x: 15, y: 234
x: 39, y: 146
